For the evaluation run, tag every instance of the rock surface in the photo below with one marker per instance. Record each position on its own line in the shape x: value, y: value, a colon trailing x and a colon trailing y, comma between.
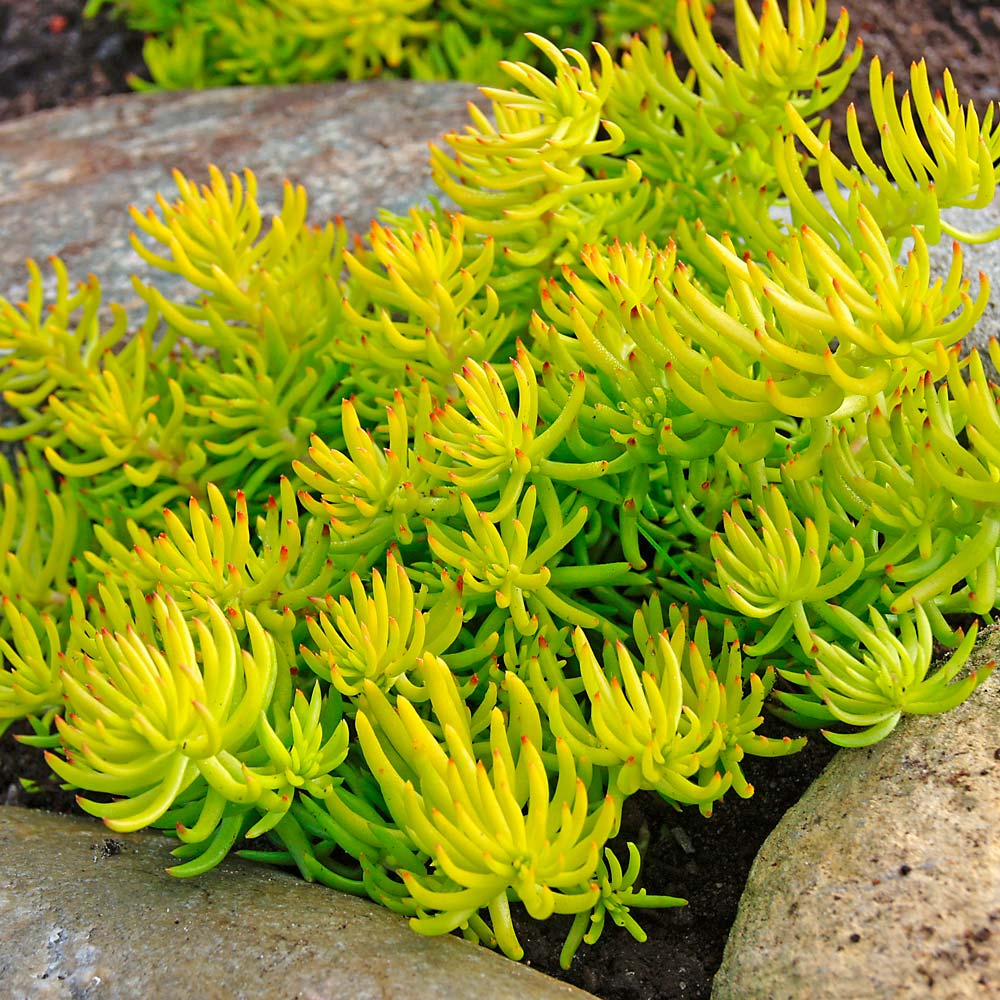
x: 68, y: 176
x: 977, y: 258
x: 884, y: 880
x: 88, y: 916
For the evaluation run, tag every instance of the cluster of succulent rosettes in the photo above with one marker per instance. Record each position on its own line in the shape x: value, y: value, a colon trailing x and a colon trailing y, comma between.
x: 428, y: 307
x: 378, y: 635
x: 682, y: 726
x: 213, y: 43
x: 413, y: 559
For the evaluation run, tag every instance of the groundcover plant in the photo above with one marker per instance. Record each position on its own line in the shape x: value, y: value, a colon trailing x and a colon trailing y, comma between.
x: 407, y: 561
x: 212, y: 43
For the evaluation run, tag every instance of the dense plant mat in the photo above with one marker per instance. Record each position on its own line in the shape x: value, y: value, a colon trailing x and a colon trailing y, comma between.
x: 411, y: 562
x: 51, y: 55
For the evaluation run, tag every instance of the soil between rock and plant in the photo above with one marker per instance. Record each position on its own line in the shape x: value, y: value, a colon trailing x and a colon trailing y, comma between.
x: 50, y: 57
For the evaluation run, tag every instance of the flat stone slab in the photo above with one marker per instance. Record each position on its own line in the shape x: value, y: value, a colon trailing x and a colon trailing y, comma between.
x: 68, y: 176
x: 884, y: 879
x: 90, y: 915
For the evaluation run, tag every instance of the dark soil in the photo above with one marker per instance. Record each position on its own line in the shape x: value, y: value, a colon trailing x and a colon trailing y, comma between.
x: 50, y: 58
x: 705, y: 861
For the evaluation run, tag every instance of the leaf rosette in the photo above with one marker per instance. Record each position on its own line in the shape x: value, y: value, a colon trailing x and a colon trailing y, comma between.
x: 492, y: 825
x: 890, y: 676
x: 143, y: 722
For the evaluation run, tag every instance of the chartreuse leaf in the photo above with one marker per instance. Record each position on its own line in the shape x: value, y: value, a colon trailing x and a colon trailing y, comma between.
x: 891, y: 677
x: 145, y: 721
x: 493, y: 825
x: 618, y: 897
x: 29, y: 683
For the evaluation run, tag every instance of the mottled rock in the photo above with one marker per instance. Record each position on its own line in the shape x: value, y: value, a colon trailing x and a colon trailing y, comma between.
x: 884, y: 879
x: 976, y: 258
x: 68, y: 176
x: 89, y: 915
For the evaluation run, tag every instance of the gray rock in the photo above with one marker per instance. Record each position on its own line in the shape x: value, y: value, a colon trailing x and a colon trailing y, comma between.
x: 884, y: 879
x: 977, y: 258
x: 88, y: 915
x: 68, y: 176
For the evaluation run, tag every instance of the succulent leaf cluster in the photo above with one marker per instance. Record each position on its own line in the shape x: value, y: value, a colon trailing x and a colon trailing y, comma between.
x: 410, y: 559
x: 214, y: 43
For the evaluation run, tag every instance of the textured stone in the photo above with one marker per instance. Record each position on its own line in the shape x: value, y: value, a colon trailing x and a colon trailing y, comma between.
x: 977, y: 258
x: 88, y: 915
x: 884, y: 879
x: 68, y: 176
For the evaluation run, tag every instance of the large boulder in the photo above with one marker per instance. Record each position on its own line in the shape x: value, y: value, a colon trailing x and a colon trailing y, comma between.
x: 884, y: 879
x: 68, y: 176
x: 90, y: 915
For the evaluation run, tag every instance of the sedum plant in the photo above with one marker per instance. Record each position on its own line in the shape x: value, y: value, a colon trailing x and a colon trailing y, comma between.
x: 213, y: 43
x: 407, y: 561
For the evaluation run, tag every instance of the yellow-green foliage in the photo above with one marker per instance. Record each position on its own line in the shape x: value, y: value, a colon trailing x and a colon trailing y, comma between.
x: 415, y: 560
x: 217, y: 43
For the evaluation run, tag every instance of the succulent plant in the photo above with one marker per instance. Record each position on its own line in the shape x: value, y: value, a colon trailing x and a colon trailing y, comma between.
x: 411, y: 559
x: 212, y: 43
